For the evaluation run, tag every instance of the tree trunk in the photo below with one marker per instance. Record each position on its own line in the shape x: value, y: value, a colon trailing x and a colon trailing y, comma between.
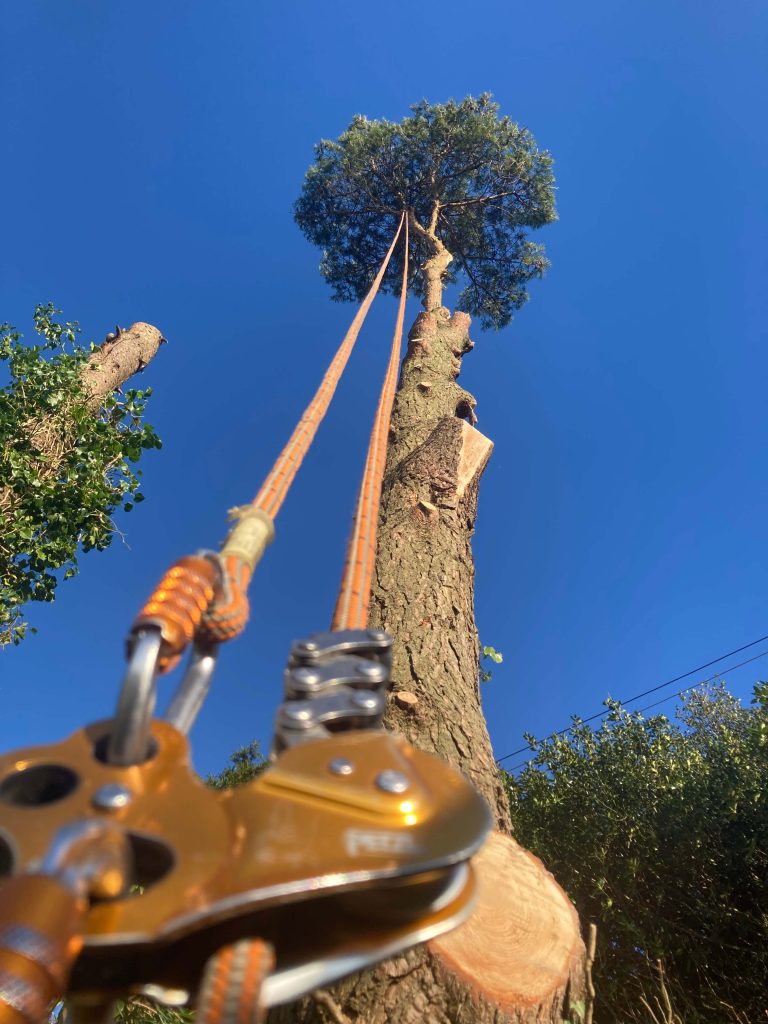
x: 520, y: 957
x: 433, y: 271
x: 434, y: 268
x: 424, y: 583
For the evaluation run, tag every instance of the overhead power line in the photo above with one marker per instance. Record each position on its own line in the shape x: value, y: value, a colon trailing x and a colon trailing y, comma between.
x: 647, y: 707
x: 655, y: 689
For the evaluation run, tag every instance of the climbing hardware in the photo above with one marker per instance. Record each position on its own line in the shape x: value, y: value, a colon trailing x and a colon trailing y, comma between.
x: 122, y: 874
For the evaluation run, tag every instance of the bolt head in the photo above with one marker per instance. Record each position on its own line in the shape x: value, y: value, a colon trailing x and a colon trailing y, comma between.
x: 307, y: 645
x: 364, y: 701
x: 373, y: 670
x: 111, y: 797
x: 391, y: 781
x: 340, y: 766
x: 378, y: 634
x: 297, y: 714
x: 306, y: 675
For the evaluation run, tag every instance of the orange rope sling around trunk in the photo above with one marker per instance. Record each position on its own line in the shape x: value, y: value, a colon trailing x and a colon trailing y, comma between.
x: 204, y: 597
x: 354, y: 598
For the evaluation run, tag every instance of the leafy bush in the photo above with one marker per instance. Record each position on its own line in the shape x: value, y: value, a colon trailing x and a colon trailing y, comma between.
x: 659, y: 833
x: 65, y: 466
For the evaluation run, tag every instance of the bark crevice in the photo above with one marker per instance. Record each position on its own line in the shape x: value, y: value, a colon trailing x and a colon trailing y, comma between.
x: 423, y: 585
x: 423, y: 594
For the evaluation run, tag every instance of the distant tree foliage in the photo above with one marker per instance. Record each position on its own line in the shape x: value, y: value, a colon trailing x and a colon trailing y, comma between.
x: 65, y: 468
x: 244, y: 765
x: 659, y: 833
x: 473, y: 181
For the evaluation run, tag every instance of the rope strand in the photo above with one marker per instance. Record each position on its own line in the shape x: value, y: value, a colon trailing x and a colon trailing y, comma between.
x: 354, y: 598
x: 274, y: 489
x: 227, y: 611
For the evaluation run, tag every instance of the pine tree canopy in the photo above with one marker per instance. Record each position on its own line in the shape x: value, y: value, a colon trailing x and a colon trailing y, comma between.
x: 473, y: 183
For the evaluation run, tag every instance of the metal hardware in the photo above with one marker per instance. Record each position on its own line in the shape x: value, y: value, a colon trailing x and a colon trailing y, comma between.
x: 193, y: 689
x: 298, y: 722
x: 305, y: 646
x: 292, y: 981
x: 90, y: 857
x: 20, y: 996
x: 392, y: 782
x: 129, y: 738
x: 385, y: 872
x: 367, y: 701
x: 391, y: 858
x: 111, y: 797
x: 373, y: 671
x: 306, y: 676
x: 374, y: 644
x: 302, y: 681
x: 333, y: 682
x: 297, y: 713
x: 43, y: 914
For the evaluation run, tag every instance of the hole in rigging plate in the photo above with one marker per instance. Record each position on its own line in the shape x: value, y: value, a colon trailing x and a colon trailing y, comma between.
x: 101, y: 749
x: 6, y: 857
x: 39, y: 785
x: 152, y: 860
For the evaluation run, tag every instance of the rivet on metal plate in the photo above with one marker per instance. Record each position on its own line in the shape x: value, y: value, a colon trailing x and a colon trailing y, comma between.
x: 392, y: 782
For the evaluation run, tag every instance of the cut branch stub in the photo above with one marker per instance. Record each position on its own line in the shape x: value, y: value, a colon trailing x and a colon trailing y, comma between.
x: 521, y: 950
x: 406, y: 700
x: 476, y: 449
x: 118, y: 359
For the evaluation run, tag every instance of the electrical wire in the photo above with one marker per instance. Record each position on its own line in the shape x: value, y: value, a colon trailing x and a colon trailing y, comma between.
x: 654, y: 689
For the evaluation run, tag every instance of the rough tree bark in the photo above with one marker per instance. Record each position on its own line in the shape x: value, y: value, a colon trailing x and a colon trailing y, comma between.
x: 423, y: 589
x: 118, y: 359
x: 520, y: 958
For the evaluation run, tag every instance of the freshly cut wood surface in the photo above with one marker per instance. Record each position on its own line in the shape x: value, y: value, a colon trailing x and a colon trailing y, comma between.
x: 522, y: 941
x: 405, y: 699
x: 117, y: 360
x: 476, y: 449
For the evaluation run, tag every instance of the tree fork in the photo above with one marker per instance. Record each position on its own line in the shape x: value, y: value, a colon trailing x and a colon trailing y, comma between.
x: 434, y: 268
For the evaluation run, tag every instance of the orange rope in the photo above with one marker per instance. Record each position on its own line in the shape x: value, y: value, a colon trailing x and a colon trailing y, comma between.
x: 275, y: 487
x: 355, y: 592
x: 227, y: 612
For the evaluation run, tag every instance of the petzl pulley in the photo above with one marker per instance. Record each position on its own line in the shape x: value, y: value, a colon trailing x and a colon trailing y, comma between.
x: 351, y: 846
x: 122, y: 874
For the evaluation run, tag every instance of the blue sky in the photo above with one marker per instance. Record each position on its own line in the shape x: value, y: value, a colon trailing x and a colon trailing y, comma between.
x: 152, y: 156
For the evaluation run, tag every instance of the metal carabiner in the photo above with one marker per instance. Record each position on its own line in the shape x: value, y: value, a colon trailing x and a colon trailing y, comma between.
x: 129, y: 738
x: 193, y: 689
